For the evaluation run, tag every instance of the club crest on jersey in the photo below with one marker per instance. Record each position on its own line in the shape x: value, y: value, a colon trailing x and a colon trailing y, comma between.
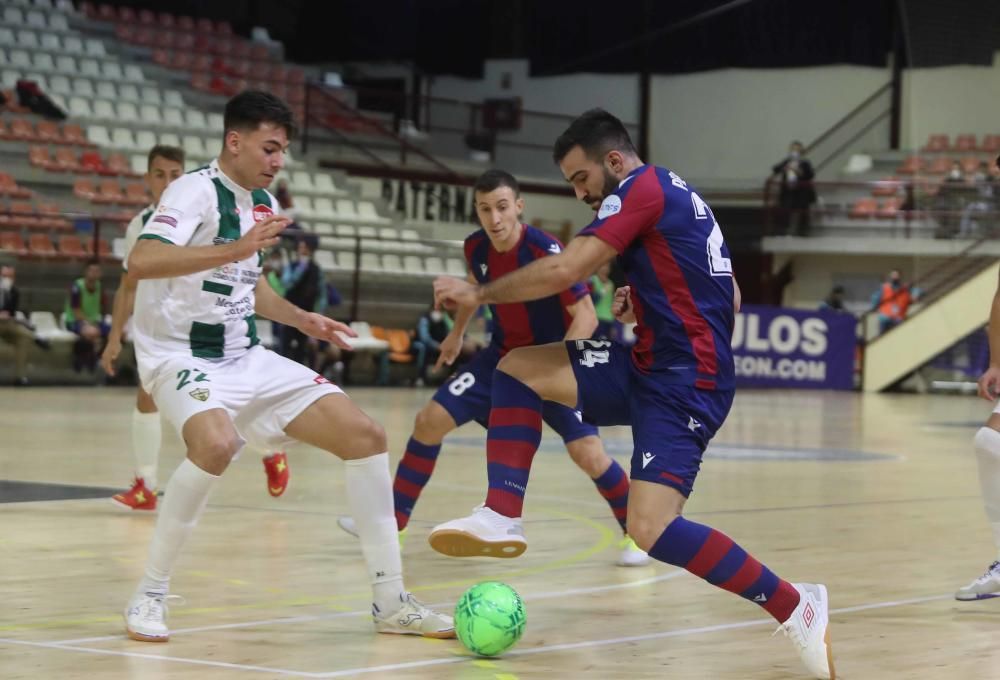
x: 612, y: 205
x: 201, y: 394
x: 261, y: 212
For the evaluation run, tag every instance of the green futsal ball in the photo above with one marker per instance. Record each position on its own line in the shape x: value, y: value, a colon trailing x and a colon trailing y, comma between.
x: 489, y: 618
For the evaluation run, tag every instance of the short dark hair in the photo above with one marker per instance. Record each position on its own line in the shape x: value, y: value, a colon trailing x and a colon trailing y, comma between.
x: 596, y: 132
x: 311, y: 241
x: 171, y: 153
x: 491, y: 180
x: 250, y: 108
x: 93, y: 262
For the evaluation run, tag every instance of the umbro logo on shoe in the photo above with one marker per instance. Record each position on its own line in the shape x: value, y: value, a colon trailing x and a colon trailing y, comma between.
x: 808, y: 615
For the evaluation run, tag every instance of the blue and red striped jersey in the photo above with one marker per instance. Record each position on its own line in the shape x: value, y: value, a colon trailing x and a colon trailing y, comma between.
x: 680, y: 273
x: 522, y: 323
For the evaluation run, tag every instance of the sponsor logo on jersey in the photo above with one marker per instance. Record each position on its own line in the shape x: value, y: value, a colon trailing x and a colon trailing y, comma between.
x: 320, y: 380
x: 612, y: 205
x: 261, y: 212
x: 167, y: 216
x: 646, y: 458
x: 554, y: 248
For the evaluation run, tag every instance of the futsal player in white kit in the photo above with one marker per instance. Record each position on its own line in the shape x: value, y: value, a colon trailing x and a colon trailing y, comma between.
x: 198, y: 261
x: 164, y: 164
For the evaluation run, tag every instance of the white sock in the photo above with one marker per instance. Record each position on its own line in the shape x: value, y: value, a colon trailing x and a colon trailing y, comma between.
x: 988, y: 456
x: 146, y: 438
x: 369, y: 493
x: 184, y: 500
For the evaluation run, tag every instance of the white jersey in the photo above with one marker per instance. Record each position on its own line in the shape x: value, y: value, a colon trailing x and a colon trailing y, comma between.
x: 133, y: 230
x: 209, y: 314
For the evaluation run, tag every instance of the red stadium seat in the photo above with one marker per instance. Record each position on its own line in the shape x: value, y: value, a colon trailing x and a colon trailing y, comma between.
x: 939, y: 166
x: 890, y: 208
x: 66, y: 160
x: 991, y: 144
x: 911, y: 166
x: 12, y: 242
x: 864, y: 208
x: 39, y: 157
x: 41, y: 244
x: 937, y: 143
x: 965, y: 143
x: 84, y: 188
x: 71, y: 246
x: 888, y: 186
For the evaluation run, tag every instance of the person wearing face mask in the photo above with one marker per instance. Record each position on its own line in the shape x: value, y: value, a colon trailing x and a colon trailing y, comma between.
x: 893, y: 301
x: 795, y: 175
x: 13, y: 330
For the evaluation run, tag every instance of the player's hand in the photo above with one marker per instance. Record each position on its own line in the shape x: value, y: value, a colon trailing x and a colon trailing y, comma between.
x: 110, y: 355
x: 621, y: 307
x: 449, y: 292
x: 450, y: 348
x: 265, y: 234
x: 989, y: 384
x: 324, y: 328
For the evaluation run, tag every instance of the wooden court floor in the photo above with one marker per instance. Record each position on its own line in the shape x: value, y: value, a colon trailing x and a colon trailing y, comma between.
x: 874, y: 495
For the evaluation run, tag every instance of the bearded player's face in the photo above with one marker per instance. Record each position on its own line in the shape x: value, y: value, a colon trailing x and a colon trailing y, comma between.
x: 592, y: 180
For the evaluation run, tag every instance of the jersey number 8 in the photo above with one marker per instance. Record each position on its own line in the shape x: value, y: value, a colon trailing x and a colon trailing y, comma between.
x: 461, y: 383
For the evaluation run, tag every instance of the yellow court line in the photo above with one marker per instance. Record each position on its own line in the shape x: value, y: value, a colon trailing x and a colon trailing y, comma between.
x: 606, y: 538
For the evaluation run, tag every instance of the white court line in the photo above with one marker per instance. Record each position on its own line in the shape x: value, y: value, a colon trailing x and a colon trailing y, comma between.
x: 319, y: 617
x: 681, y: 632
x: 154, y: 657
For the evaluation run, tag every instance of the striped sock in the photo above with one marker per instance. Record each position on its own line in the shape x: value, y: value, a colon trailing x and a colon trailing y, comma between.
x: 412, y: 475
x: 713, y: 556
x: 514, y: 434
x: 613, y: 485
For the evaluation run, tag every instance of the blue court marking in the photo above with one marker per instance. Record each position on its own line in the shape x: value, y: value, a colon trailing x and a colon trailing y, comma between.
x: 623, y: 447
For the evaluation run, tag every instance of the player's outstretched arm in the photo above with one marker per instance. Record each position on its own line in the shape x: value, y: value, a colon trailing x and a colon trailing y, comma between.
x: 989, y: 382
x: 272, y: 306
x: 544, y: 277
x: 584, y: 319
x: 156, y: 258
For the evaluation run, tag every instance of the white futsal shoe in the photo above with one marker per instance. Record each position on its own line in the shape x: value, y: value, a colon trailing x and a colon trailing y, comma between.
x: 414, y: 618
x: 631, y: 555
x: 146, y: 617
x: 484, y: 533
x: 984, y: 587
x: 809, y: 629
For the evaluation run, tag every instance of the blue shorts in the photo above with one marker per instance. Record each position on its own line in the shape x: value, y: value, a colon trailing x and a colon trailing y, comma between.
x: 671, y: 423
x: 74, y: 326
x: 467, y: 395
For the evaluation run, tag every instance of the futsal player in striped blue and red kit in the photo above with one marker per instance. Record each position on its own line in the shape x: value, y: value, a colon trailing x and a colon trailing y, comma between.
x: 503, y: 245
x: 674, y: 387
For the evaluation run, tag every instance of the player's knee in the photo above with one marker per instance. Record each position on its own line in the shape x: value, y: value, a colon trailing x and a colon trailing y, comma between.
x: 515, y: 365
x: 589, y: 456
x: 367, y: 439
x: 987, y: 442
x: 644, y: 529
x: 214, y: 451
x: 144, y: 402
x: 429, y: 425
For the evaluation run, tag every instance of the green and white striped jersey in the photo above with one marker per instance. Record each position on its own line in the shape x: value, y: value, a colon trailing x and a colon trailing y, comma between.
x: 210, y: 314
x: 134, y: 229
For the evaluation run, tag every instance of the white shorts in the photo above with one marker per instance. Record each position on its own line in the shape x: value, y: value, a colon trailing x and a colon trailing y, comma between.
x: 261, y: 391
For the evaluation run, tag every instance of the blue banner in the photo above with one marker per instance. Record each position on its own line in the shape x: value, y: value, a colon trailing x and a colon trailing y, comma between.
x: 781, y: 347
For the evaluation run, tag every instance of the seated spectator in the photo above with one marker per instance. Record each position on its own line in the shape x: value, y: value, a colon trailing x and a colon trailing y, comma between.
x: 84, y: 315
x: 893, y: 301
x: 834, y: 301
x: 18, y: 332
